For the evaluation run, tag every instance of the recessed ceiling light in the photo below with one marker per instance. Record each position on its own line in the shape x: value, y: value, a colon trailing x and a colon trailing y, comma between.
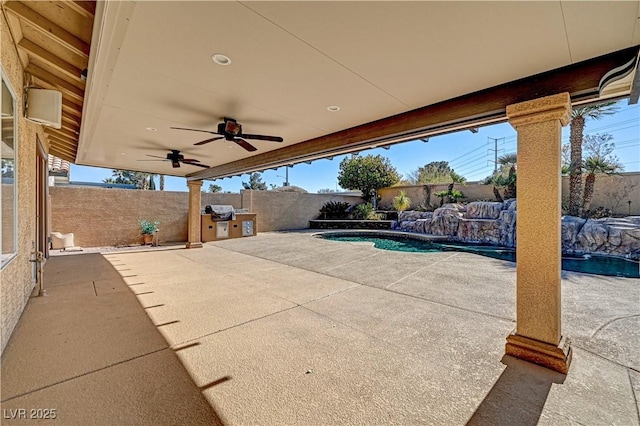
x: 221, y: 59
x: 122, y: 153
x: 152, y: 129
x: 333, y: 108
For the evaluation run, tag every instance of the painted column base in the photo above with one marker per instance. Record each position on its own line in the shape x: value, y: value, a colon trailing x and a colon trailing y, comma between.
x: 194, y: 245
x: 556, y: 358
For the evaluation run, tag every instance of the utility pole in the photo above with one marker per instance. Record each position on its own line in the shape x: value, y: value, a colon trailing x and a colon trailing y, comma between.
x: 495, y: 152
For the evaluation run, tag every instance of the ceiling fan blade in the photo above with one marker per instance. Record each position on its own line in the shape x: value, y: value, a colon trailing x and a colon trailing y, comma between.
x: 246, y: 145
x: 263, y: 137
x: 153, y: 160
x: 155, y: 156
x: 208, y: 140
x: 195, y: 164
x: 195, y: 130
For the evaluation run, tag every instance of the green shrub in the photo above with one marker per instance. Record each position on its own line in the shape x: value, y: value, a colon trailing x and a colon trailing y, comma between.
x: 401, y: 201
x: 334, y: 210
x: 362, y: 211
x: 599, y: 213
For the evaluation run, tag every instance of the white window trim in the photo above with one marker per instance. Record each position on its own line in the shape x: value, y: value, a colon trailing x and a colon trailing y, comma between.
x: 7, y: 258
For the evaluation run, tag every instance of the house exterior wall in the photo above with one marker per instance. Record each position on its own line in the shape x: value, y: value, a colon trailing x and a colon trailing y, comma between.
x: 109, y: 217
x: 16, y: 278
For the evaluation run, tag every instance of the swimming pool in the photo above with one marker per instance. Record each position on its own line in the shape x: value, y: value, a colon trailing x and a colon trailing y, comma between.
x: 589, y: 264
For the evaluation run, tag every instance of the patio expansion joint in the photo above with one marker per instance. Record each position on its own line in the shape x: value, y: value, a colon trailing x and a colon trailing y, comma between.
x: 611, y: 321
x: 421, y: 270
x: 635, y: 397
x: 379, y: 288
x: 124, y: 361
x: 628, y: 367
x: 352, y: 261
x: 175, y: 345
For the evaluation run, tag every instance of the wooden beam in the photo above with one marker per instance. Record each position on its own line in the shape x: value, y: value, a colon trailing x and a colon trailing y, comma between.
x: 72, y: 121
x: 580, y: 80
x: 61, y: 84
x: 63, y: 134
x: 45, y: 26
x: 70, y: 146
x: 71, y: 149
x: 63, y: 148
x: 71, y: 108
x: 71, y: 127
x: 84, y: 8
x: 52, y: 60
x: 62, y: 154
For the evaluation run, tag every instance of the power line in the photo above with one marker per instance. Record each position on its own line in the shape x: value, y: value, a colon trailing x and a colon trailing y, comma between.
x: 495, y: 151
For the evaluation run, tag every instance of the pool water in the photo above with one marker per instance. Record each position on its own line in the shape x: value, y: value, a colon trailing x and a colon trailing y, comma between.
x: 600, y: 265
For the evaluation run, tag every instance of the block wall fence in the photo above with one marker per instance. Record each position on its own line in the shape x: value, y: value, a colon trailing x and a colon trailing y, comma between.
x: 109, y: 217
x: 612, y: 192
x: 103, y: 217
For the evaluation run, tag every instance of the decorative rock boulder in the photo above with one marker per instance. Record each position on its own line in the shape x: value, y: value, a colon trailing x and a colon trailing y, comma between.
x: 495, y: 223
x: 483, y: 210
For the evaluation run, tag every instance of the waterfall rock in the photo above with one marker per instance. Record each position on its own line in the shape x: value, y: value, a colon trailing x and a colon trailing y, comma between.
x: 592, y: 237
x: 495, y: 223
x: 485, y: 231
x: 571, y: 226
x: 483, y: 210
x: 507, y: 223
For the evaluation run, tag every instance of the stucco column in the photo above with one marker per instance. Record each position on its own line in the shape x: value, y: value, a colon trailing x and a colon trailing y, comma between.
x: 538, y: 336
x: 194, y: 240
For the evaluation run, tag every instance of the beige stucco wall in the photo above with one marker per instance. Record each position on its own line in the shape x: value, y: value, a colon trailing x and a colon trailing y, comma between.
x: 109, y: 217
x: 279, y: 211
x: 16, y: 281
x: 416, y: 193
x: 607, y: 191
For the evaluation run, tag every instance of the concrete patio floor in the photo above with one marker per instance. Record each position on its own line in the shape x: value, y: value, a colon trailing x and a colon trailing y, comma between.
x: 284, y: 328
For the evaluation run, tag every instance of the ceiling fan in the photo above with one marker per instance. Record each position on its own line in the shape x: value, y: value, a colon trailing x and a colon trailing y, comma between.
x: 231, y: 130
x: 176, y: 158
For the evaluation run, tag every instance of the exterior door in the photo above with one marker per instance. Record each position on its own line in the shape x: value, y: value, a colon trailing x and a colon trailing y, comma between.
x: 42, y: 196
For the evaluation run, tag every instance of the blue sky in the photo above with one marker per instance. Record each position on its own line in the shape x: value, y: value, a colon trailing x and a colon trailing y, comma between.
x: 469, y: 154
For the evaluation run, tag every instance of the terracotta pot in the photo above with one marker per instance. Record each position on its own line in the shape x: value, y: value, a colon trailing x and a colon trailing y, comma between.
x: 147, y: 239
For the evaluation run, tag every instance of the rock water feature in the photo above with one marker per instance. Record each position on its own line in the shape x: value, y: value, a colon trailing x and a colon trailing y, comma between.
x: 495, y: 223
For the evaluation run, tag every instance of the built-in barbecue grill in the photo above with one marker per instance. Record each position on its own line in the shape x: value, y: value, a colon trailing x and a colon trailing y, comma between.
x: 220, y: 212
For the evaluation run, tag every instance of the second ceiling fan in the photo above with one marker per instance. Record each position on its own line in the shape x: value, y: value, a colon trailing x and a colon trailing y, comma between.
x: 231, y: 130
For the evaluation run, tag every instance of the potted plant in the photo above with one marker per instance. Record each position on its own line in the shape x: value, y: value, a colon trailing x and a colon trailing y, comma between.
x: 148, y: 228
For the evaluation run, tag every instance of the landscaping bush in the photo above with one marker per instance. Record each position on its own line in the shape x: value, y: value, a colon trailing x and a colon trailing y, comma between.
x: 598, y: 213
x: 334, y: 210
x: 363, y: 212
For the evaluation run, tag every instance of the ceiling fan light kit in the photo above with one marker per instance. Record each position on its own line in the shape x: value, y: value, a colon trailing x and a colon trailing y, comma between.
x: 231, y: 130
x: 176, y: 158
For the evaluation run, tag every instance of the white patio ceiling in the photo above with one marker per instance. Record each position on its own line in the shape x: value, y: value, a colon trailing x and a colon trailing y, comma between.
x: 152, y: 67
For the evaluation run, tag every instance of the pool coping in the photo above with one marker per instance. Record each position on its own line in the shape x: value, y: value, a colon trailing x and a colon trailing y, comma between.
x: 382, y: 232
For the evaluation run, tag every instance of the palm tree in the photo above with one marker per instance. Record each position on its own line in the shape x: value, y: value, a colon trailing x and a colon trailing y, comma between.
x: 594, y: 166
x: 161, y: 182
x: 578, y: 118
x: 401, y: 201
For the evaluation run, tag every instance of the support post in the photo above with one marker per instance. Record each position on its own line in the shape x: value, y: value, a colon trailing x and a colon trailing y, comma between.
x: 538, y: 336
x: 194, y: 237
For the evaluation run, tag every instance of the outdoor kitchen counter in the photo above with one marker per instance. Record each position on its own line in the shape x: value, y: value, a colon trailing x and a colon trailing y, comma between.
x: 244, y: 225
